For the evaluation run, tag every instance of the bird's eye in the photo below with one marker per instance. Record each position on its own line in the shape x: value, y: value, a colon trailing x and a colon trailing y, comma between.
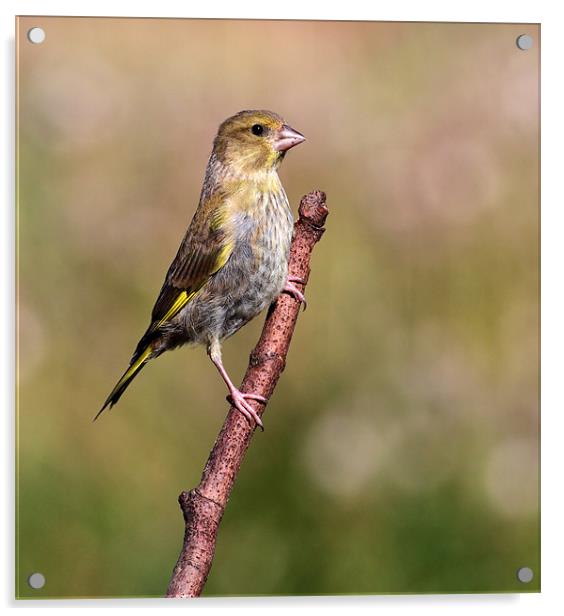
x: 257, y: 129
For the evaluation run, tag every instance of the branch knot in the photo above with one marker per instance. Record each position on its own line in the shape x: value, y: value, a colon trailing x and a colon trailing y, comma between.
x: 260, y: 358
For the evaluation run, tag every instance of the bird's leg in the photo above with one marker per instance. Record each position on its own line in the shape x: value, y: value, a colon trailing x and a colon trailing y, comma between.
x: 236, y: 397
x: 291, y: 288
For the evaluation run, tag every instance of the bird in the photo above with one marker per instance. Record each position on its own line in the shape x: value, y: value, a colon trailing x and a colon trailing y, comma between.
x: 233, y: 260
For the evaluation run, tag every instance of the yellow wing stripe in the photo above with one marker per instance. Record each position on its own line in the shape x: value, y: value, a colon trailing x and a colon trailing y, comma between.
x: 179, y: 303
x: 133, y: 368
x: 184, y: 297
x: 223, y: 256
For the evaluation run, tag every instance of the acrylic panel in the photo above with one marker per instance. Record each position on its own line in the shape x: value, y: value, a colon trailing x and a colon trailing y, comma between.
x: 401, y: 449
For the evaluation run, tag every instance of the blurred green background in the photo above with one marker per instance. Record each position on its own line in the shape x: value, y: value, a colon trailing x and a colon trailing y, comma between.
x: 401, y: 445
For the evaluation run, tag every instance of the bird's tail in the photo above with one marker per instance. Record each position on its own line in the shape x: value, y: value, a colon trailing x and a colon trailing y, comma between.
x: 128, y: 376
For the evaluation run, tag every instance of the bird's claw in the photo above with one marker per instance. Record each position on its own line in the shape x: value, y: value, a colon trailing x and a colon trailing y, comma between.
x: 294, y: 291
x: 239, y: 400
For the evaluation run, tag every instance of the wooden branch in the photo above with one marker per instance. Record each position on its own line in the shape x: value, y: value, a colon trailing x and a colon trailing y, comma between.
x: 203, y: 506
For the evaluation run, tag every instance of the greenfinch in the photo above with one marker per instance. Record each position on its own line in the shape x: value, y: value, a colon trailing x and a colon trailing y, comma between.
x: 233, y: 260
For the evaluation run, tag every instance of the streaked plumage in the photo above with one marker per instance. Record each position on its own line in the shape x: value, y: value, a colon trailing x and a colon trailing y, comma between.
x: 233, y: 260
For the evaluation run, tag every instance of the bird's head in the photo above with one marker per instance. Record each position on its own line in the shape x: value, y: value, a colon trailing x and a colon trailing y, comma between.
x: 253, y: 141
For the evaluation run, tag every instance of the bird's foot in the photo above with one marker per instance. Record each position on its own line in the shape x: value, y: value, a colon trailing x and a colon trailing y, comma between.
x: 239, y: 401
x: 291, y: 288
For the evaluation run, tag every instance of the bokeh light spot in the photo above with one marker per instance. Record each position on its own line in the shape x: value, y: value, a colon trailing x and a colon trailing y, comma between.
x: 511, y: 479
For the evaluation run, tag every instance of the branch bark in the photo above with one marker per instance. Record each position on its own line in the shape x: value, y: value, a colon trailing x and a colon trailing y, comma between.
x: 203, y: 506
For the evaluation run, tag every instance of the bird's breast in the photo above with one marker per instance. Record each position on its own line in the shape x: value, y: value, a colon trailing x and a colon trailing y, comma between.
x: 262, y: 242
x: 258, y: 267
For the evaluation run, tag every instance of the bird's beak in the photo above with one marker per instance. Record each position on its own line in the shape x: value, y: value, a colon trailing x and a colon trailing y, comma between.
x: 287, y: 138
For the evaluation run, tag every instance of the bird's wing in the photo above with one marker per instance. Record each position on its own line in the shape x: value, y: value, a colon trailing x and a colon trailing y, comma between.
x: 205, y: 249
